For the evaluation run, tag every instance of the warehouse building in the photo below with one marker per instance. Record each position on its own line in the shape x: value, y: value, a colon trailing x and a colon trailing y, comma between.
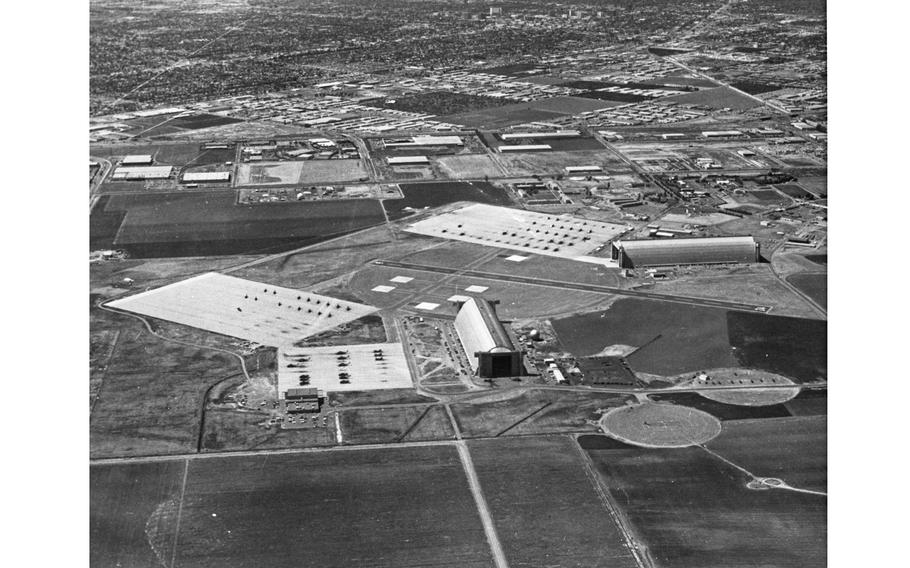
x: 524, y: 148
x: 137, y: 160
x: 485, y: 340
x: 142, y: 172
x: 703, y: 250
x: 206, y: 176
x: 407, y: 160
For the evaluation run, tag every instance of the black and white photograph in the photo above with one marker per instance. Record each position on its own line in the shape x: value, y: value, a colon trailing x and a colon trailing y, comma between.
x: 457, y: 283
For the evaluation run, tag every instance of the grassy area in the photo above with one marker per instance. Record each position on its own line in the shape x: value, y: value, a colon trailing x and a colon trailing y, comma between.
x: 395, y: 424
x: 150, y: 398
x: 531, y: 412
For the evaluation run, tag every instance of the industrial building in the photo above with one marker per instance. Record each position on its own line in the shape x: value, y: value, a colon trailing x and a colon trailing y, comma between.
x: 142, y: 172
x: 137, y: 160
x: 425, y: 140
x: 206, y: 176
x: 485, y: 340
x: 407, y: 160
x: 703, y: 250
x: 537, y: 135
x: 524, y: 148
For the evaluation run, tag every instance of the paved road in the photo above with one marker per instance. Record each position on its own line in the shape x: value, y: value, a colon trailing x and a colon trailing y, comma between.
x: 578, y: 286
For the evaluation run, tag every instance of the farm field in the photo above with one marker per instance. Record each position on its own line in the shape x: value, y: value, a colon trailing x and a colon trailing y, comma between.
x: 794, y: 347
x: 434, y: 194
x: 693, y: 510
x: 813, y: 285
x: 720, y: 410
x: 385, y: 508
x: 674, y: 338
x: 809, y: 403
x: 132, y: 510
x: 545, y: 508
x: 678, y: 338
x: 792, y: 449
x: 532, y: 412
x: 210, y: 223
x: 303, y: 172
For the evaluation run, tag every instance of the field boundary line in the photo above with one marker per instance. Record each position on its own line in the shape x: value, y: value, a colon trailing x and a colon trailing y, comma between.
x: 483, y: 510
x: 524, y: 419
x: 638, y: 549
x: 254, y: 453
x: 186, y: 471
x: 414, y: 424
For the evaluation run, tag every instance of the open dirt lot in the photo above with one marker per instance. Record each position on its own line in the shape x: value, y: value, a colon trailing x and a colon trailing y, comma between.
x: 468, y: 166
x: 301, y: 172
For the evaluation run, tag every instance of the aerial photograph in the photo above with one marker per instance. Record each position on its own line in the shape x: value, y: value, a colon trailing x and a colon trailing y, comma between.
x: 457, y: 283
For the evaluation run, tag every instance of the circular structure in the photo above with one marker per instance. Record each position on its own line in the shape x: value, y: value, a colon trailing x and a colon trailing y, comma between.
x: 728, y: 387
x: 653, y: 425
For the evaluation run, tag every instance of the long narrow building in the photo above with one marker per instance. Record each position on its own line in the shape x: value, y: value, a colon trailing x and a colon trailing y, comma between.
x: 486, y: 342
x: 668, y: 252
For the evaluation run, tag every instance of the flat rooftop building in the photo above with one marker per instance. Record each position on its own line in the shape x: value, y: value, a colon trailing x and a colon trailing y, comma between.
x: 142, y: 172
x: 556, y: 134
x: 137, y: 160
x: 524, y: 147
x: 207, y: 176
x: 486, y: 342
x: 704, y: 250
x: 407, y: 160
x: 721, y: 133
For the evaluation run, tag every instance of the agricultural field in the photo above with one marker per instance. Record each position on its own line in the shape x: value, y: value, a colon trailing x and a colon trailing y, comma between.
x: 794, y: 347
x: 305, y: 172
x: 544, y: 506
x: 678, y: 338
x: 813, y: 285
x: 805, y: 437
x: 385, y: 508
x: 672, y: 338
x: 693, y: 510
x: 722, y: 411
x: 210, y: 223
x: 434, y: 194
x: 132, y: 509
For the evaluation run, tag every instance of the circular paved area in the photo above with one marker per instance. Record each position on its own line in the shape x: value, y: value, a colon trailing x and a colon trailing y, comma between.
x: 653, y: 425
